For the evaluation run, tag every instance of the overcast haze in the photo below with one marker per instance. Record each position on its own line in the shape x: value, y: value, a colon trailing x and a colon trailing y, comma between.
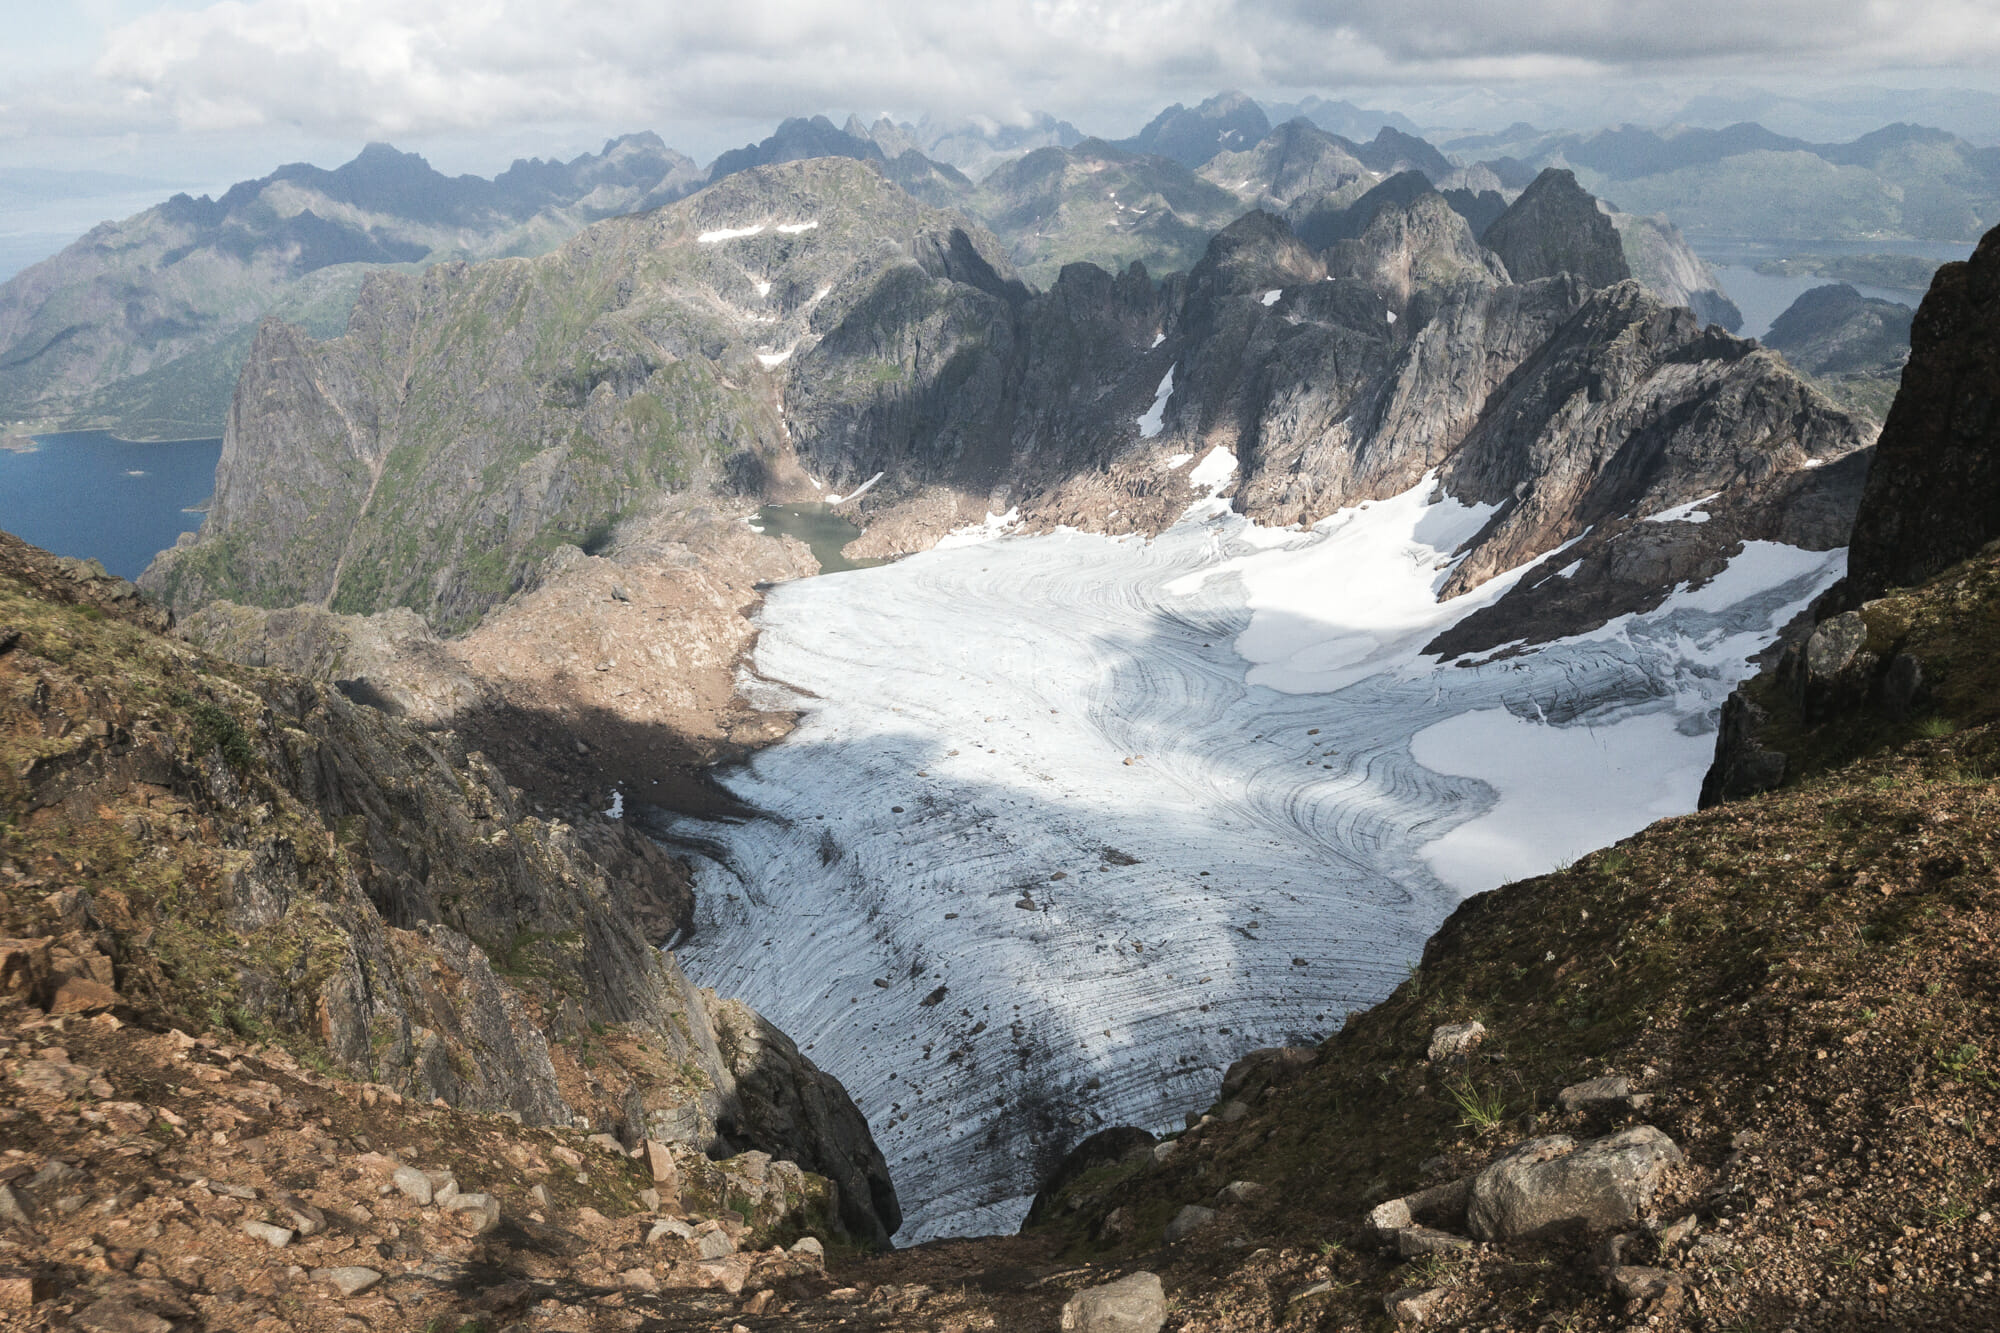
x: 200, y: 94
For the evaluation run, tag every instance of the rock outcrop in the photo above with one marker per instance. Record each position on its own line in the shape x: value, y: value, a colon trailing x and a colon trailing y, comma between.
x: 1933, y: 497
x: 1867, y: 671
x: 1836, y: 331
x: 1556, y: 227
x: 1663, y: 262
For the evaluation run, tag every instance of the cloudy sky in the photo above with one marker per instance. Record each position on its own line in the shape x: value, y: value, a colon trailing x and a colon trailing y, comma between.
x: 200, y: 89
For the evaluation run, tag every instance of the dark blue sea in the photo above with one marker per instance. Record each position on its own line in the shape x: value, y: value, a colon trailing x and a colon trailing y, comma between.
x: 88, y: 494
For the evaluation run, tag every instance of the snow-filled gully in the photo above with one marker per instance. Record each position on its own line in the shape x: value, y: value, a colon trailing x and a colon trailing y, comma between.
x: 1070, y: 822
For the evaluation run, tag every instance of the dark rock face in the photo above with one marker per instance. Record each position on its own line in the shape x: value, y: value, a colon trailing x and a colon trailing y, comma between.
x: 1107, y: 1147
x: 1933, y: 497
x: 1932, y: 500
x: 1835, y: 330
x: 781, y: 1097
x: 1556, y: 227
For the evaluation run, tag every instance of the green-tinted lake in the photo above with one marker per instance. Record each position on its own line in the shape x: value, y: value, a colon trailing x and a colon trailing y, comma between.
x: 822, y: 530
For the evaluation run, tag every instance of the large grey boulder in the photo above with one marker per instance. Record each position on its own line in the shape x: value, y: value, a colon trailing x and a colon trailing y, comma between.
x: 1188, y: 1221
x: 1551, y: 1184
x: 1134, y: 1304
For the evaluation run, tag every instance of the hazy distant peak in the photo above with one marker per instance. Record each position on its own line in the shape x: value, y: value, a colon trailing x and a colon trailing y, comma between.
x: 797, y: 139
x: 1225, y: 123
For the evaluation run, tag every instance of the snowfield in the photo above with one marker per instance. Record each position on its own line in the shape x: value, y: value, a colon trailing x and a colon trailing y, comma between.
x: 1069, y: 822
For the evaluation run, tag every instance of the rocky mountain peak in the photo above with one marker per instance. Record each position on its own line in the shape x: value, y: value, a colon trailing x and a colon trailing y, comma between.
x: 1226, y: 122
x: 1408, y: 247
x: 1933, y: 496
x: 797, y: 139
x: 1557, y: 227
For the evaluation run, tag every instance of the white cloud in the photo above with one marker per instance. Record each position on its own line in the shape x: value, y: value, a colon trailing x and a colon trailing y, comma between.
x: 385, y: 68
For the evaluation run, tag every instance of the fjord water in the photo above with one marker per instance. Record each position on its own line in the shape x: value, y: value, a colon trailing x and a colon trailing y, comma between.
x: 91, y: 495
x: 1762, y: 297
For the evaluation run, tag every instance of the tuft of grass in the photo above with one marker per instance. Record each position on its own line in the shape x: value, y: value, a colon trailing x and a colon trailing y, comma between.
x: 1479, y: 1109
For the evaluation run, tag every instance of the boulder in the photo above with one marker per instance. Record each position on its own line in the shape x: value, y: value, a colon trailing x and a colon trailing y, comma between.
x: 1416, y: 1242
x: 661, y: 1163
x: 1551, y: 1184
x: 1594, y: 1094
x: 1188, y: 1221
x: 1265, y: 1062
x: 1455, y: 1041
x: 415, y: 1185
x: 1133, y: 1304
x: 275, y: 1237
x: 348, y: 1279
x: 479, y: 1212
x: 1416, y: 1305
x: 1647, y: 1285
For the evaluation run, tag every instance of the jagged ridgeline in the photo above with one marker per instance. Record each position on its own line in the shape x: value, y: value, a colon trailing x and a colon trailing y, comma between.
x: 474, y: 418
x: 143, y: 324
x: 809, y: 325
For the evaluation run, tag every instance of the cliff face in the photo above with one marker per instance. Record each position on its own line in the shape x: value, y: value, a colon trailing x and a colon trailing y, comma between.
x: 247, y: 850
x: 1556, y: 227
x: 1885, y: 660
x: 1934, y: 495
x: 476, y: 418
x: 1660, y: 258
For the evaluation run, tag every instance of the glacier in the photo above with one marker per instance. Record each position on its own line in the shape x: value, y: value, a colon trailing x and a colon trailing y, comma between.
x: 1069, y: 822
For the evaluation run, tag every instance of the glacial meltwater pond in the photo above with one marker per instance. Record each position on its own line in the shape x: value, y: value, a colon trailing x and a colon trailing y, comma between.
x: 823, y: 531
x: 91, y: 495
x: 1070, y: 822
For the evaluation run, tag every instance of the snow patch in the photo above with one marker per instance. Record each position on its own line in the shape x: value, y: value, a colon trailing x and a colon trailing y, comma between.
x: 1175, y: 461
x: 1569, y: 570
x: 1358, y: 597
x: 1691, y: 512
x: 1391, y: 314
x: 616, y: 810
x: 1559, y: 791
x: 721, y: 234
x: 996, y: 525
x: 1158, y: 338
x: 794, y: 228
x: 1214, y: 470
x: 856, y: 493
x: 1155, y: 418
x: 768, y: 360
x: 1271, y: 297
x: 763, y: 288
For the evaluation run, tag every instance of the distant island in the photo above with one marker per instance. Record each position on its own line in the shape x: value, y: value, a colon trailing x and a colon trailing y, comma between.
x: 1910, y: 273
x: 19, y: 444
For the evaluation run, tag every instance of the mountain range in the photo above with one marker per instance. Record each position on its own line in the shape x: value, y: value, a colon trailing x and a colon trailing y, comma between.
x: 142, y: 325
